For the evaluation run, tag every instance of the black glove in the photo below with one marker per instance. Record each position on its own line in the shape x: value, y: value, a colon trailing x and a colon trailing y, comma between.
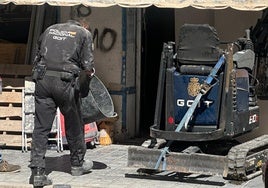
x: 84, y: 80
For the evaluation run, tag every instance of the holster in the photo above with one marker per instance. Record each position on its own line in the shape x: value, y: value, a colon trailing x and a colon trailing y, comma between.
x: 38, y: 72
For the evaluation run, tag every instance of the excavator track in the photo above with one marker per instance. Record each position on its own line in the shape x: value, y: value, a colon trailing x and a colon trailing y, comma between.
x: 245, y: 160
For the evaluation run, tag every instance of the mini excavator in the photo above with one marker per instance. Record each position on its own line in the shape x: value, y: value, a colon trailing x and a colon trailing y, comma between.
x: 206, y: 98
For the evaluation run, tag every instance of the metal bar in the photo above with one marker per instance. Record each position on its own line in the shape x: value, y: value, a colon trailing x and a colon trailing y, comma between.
x: 161, y: 84
x: 178, y: 177
x: 123, y: 68
x: 141, y: 157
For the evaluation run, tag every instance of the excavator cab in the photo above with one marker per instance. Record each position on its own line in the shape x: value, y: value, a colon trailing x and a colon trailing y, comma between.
x: 229, y: 107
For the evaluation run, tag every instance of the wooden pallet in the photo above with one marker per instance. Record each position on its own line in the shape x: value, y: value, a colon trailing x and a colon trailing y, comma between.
x: 10, y: 116
x: 13, y: 76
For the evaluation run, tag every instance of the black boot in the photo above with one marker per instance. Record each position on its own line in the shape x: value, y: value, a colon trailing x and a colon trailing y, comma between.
x: 84, y: 169
x: 39, y: 178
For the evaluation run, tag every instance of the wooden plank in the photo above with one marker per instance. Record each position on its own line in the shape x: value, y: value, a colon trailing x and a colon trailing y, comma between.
x: 10, y: 125
x: 11, y: 97
x: 12, y: 82
x: 15, y: 69
x: 10, y: 111
x: 11, y: 140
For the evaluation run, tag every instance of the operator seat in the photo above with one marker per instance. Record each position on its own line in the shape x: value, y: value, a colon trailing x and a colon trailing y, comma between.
x: 197, y: 53
x: 198, y: 45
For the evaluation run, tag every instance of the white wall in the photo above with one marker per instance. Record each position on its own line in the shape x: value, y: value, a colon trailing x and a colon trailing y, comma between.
x: 108, y: 63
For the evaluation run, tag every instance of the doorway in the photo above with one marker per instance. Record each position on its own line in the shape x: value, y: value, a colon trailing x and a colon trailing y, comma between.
x: 158, y: 27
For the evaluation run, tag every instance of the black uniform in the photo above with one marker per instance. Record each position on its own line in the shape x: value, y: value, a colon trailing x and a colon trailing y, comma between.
x: 63, y: 49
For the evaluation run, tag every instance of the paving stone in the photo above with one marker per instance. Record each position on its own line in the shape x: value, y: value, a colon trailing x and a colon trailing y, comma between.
x: 109, y: 170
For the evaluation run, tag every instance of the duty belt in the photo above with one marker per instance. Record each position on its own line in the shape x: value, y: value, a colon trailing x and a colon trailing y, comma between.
x: 57, y: 73
x: 64, y: 76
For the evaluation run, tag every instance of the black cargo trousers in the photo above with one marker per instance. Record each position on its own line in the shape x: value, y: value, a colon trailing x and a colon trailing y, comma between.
x: 52, y: 92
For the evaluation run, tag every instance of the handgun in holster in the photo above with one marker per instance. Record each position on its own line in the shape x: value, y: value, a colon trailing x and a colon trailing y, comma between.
x: 38, y: 72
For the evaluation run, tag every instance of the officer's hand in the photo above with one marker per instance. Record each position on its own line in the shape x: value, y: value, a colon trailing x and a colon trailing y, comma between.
x: 90, y: 73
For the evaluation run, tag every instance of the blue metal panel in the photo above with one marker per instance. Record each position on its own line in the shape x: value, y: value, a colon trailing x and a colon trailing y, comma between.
x: 207, y: 112
x: 123, y: 68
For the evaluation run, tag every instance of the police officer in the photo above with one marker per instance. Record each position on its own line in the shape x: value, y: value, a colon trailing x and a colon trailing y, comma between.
x: 63, y: 52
